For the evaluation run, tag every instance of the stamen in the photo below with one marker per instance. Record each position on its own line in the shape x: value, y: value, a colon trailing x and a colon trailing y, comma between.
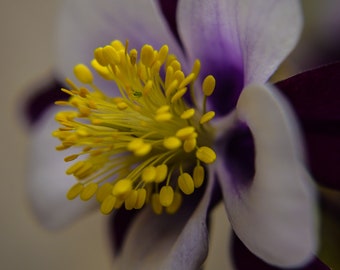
x: 138, y: 147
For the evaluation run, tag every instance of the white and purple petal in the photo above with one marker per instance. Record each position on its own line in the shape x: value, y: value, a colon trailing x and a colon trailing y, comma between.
x: 238, y: 42
x: 85, y: 25
x: 178, y: 241
x: 274, y: 213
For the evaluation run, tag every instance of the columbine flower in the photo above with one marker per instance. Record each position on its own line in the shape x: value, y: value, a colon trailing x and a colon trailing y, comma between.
x: 151, y: 140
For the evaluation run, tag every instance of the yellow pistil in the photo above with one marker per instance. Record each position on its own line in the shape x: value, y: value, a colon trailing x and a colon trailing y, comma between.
x: 144, y: 145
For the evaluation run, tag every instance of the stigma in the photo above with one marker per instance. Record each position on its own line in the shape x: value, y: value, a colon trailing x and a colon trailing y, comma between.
x: 143, y: 145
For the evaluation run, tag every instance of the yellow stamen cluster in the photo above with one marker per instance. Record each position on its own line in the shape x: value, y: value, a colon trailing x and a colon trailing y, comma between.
x: 145, y: 145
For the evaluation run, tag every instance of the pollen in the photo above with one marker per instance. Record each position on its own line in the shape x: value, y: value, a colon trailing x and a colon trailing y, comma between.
x: 143, y: 144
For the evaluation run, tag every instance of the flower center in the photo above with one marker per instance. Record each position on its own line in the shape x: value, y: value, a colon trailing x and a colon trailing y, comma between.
x: 145, y: 145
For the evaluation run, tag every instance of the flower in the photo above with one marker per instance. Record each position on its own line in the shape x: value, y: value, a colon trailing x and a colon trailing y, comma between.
x: 259, y: 168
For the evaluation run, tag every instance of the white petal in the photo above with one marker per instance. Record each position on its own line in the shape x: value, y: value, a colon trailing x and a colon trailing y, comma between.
x: 84, y: 25
x: 275, y: 215
x: 258, y: 33
x: 168, y: 242
x: 47, y: 182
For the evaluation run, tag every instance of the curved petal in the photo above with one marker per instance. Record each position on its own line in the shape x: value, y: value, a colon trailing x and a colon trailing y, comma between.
x: 238, y: 40
x: 87, y: 24
x: 47, y: 182
x: 165, y: 241
x: 274, y: 215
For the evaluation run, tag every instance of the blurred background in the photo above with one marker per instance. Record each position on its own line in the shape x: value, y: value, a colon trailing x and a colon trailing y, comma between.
x: 26, y: 48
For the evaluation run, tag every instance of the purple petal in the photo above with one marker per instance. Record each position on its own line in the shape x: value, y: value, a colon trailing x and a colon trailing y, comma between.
x: 42, y: 99
x: 87, y: 24
x: 274, y: 215
x: 165, y: 241
x: 243, y: 259
x: 236, y: 42
x: 315, y: 97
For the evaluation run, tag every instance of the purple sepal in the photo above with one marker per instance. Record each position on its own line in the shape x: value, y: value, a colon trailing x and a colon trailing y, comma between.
x: 243, y: 259
x: 42, y: 99
x: 315, y: 97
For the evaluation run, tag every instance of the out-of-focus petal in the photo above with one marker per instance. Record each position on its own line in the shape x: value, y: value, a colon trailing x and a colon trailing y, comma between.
x: 86, y: 24
x: 47, y: 182
x: 239, y: 42
x: 41, y: 99
x: 273, y: 215
x: 165, y: 241
x: 243, y: 259
x: 315, y: 97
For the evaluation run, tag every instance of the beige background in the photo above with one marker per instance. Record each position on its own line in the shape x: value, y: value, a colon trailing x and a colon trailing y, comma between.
x: 26, y: 48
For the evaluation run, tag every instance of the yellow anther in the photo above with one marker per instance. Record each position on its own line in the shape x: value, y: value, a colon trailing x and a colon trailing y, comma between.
x: 83, y: 74
x: 161, y: 173
x: 176, y: 203
x: 70, y: 158
x: 133, y: 56
x: 196, y: 68
x: 172, y: 143
x: 75, y: 167
x: 179, y: 94
x: 135, y: 144
x: 198, y: 176
x: 189, y: 144
x: 163, y: 117
x: 163, y: 53
x: 168, y: 76
x: 141, y: 198
x: 186, y: 183
x: 122, y: 105
x: 88, y: 191
x: 166, y: 196
x: 206, y: 154
x: 185, y: 133
x: 110, y: 54
x: 108, y: 204
x: 104, y: 191
x: 84, y: 171
x: 147, y: 55
x: 98, y: 55
x: 156, y: 204
x: 130, y: 201
x: 149, y: 174
x: 122, y: 188
x: 163, y: 109
x: 207, y: 117
x: 147, y: 87
x: 187, y: 114
x: 102, y: 70
x: 187, y: 80
x: 171, y: 88
x: 74, y: 191
x: 118, y: 45
x: 208, y: 85
x: 143, y: 150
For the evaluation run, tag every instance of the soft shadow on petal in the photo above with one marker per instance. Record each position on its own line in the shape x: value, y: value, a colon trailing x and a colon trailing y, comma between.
x: 165, y: 241
x: 84, y: 25
x: 275, y: 215
x: 315, y: 97
x: 243, y: 259
x: 47, y: 182
x: 236, y: 42
x: 209, y: 32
